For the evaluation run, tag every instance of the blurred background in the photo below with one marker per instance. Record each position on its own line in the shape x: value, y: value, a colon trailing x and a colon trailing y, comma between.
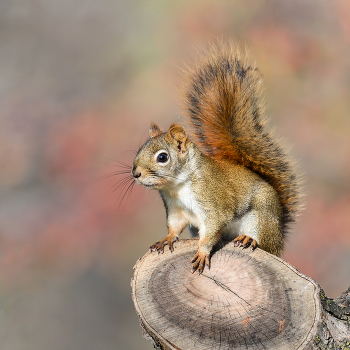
x: 80, y: 82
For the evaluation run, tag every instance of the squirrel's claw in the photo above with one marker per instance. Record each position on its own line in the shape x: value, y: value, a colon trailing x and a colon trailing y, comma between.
x: 245, y: 241
x: 171, y: 243
x: 159, y: 246
x: 199, y: 261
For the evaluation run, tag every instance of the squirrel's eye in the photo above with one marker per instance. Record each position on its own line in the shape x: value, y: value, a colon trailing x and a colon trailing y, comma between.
x: 162, y: 157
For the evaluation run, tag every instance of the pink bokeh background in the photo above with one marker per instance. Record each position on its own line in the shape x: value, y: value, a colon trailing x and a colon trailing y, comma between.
x: 80, y: 83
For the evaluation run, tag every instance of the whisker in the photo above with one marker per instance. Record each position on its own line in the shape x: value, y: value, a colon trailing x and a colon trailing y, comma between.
x: 119, y: 166
x: 131, y: 185
x: 123, y: 185
x: 120, y: 183
x: 129, y: 196
x: 107, y: 176
x: 165, y: 177
x: 141, y: 139
x: 130, y: 150
x: 155, y: 174
x: 122, y: 164
x: 124, y: 189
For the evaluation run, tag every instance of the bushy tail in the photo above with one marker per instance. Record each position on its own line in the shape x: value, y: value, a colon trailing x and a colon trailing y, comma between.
x: 224, y: 114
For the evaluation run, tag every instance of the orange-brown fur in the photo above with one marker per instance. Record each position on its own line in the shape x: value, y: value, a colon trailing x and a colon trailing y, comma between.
x: 230, y: 178
x: 224, y: 114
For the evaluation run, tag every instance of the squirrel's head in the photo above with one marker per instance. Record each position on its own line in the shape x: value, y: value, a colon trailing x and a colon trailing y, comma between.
x: 159, y: 161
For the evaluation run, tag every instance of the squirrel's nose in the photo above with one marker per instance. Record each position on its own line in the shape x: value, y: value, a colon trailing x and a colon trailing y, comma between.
x: 136, y: 173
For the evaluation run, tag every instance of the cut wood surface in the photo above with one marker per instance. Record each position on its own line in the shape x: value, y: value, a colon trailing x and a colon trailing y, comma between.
x: 246, y: 300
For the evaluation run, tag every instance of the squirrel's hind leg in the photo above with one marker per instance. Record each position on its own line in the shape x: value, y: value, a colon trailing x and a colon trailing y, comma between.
x: 245, y: 241
x: 248, y: 229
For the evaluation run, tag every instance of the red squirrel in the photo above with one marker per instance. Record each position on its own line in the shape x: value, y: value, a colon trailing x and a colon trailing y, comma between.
x: 227, y: 176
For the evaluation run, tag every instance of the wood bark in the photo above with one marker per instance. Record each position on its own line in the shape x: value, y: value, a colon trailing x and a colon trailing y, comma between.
x: 246, y: 300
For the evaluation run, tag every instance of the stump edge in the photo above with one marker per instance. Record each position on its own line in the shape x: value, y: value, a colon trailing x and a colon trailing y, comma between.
x: 160, y: 343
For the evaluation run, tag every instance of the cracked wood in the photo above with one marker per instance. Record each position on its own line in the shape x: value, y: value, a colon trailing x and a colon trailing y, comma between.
x: 247, y: 300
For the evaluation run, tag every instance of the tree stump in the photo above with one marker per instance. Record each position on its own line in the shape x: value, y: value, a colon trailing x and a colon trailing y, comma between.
x: 246, y: 300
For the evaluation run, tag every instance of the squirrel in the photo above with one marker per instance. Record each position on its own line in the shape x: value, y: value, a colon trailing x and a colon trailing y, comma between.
x: 227, y: 177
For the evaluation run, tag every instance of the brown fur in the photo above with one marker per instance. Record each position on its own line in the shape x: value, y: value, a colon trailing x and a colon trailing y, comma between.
x: 225, y: 116
x: 230, y: 179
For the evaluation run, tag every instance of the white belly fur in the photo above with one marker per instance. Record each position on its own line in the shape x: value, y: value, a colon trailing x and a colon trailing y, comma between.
x: 182, y: 205
x: 184, y: 208
x: 247, y: 225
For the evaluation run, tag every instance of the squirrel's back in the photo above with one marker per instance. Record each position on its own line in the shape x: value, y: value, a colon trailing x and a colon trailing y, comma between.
x: 226, y: 121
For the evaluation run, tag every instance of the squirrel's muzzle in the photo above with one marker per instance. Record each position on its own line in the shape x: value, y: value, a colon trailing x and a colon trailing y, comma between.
x: 136, y: 173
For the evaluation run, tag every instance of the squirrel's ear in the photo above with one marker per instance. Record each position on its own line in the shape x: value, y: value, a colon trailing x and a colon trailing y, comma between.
x: 154, y: 130
x: 177, y: 134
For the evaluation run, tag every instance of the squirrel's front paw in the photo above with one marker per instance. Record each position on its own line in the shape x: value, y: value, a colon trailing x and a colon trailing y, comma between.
x: 159, y: 246
x: 199, y: 260
x: 245, y: 241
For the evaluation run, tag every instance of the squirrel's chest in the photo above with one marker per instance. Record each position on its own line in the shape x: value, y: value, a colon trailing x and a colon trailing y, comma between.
x: 183, y: 203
